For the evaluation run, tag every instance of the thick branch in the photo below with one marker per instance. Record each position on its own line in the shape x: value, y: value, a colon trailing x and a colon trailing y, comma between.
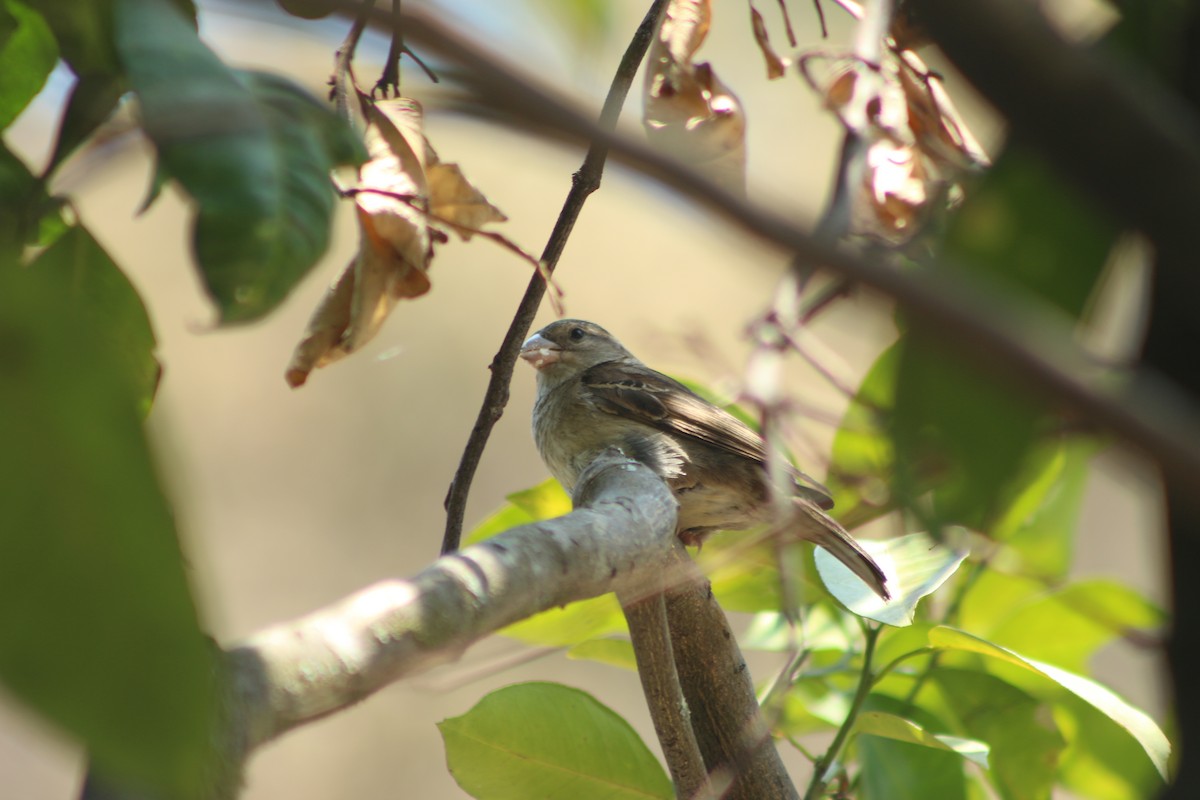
x: 302, y: 670
x: 730, y: 730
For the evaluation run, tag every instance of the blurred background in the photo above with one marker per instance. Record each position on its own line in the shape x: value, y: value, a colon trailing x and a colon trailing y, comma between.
x: 288, y: 500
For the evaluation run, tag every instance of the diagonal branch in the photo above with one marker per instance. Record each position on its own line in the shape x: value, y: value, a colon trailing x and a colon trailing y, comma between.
x: 583, y: 183
x: 1016, y: 337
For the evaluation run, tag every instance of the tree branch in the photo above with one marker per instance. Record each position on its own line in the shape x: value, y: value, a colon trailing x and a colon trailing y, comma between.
x: 302, y: 670
x: 1013, y: 335
x: 583, y: 183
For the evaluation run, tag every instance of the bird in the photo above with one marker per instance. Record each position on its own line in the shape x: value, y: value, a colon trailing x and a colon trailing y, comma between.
x: 593, y: 393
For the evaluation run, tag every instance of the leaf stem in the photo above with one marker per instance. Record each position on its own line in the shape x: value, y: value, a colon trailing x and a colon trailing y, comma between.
x: 816, y: 786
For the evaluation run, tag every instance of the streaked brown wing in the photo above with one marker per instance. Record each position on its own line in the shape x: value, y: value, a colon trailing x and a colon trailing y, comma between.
x: 631, y: 389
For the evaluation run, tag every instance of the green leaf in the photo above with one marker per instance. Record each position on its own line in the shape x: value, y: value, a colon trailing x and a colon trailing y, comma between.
x: 890, y: 726
x: 93, y: 99
x: 860, y: 470
x: 548, y: 740
x: 966, y: 419
x: 543, y: 501
x: 1136, y: 722
x: 22, y: 198
x: 578, y: 622
x: 28, y: 53
x: 1040, y: 520
x: 822, y: 628
x: 614, y: 652
x: 1065, y: 627
x: 587, y: 22
x: 253, y: 150
x: 1102, y: 762
x: 915, y: 565
x: 98, y: 630
x: 99, y: 290
x: 1020, y: 730
x: 897, y: 770
x: 1025, y: 226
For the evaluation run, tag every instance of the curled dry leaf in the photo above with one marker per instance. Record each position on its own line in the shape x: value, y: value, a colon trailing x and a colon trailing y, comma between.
x: 918, y: 146
x: 776, y: 66
x: 688, y: 110
x: 401, y: 190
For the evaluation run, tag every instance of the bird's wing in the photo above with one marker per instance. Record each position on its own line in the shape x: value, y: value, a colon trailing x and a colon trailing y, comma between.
x: 634, y: 391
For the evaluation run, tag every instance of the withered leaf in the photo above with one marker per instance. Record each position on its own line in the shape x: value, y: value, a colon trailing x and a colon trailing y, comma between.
x: 401, y: 192
x: 918, y: 148
x: 776, y: 66
x: 688, y: 110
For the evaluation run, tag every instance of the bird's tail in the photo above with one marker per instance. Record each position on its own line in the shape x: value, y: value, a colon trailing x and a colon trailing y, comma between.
x: 824, y: 531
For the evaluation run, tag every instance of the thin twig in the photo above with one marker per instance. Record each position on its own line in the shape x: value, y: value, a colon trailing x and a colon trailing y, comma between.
x: 583, y: 183
x: 390, y: 78
x: 343, y: 62
x: 816, y: 786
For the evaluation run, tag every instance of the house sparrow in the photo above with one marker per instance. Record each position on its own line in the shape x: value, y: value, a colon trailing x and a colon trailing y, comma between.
x: 592, y: 393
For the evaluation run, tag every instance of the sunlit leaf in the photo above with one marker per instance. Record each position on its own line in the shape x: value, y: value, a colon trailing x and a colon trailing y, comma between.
x: 1138, y: 724
x: 1020, y: 730
x: 1066, y: 626
x: 549, y: 740
x: 614, y: 652
x: 822, y: 628
x: 28, y: 52
x: 890, y: 726
x: 900, y: 770
x: 1102, y: 761
x: 861, y: 460
x: 546, y: 500
x: 578, y: 622
x: 1039, y: 524
x: 914, y: 564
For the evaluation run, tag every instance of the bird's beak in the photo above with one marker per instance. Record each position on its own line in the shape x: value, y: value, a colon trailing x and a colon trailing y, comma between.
x: 540, y: 352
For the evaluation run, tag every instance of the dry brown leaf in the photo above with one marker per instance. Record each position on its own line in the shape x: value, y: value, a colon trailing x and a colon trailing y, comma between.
x: 401, y: 189
x: 918, y: 146
x: 776, y: 66
x: 688, y: 110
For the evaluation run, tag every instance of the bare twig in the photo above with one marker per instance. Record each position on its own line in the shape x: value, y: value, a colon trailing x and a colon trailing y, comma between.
x: 342, y: 80
x: 390, y: 78
x: 583, y: 183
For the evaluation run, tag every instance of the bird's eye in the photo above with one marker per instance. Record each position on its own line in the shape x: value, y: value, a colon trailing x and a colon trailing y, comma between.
x: 577, y: 334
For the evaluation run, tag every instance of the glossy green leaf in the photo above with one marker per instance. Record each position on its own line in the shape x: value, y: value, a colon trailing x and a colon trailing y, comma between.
x: 1136, y: 722
x: 99, y: 290
x: 1039, y: 522
x: 1065, y: 627
x: 1020, y: 730
x: 915, y: 565
x: 992, y: 598
x: 27, y: 54
x: 548, y: 740
x: 98, y: 630
x: 93, y: 99
x: 254, y: 151
x: 890, y: 726
x: 896, y: 770
x: 614, y: 652
x: 1102, y: 762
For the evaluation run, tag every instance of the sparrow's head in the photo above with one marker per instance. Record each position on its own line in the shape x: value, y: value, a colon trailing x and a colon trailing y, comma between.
x: 569, y: 346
